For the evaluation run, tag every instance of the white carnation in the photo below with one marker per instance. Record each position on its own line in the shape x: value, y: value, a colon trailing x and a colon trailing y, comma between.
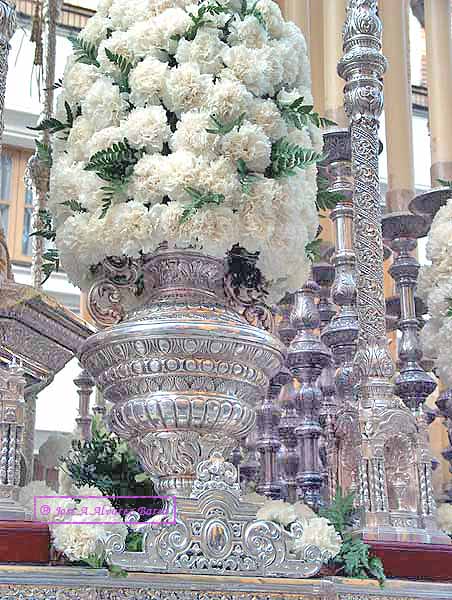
x: 272, y: 16
x: 267, y: 115
x: 103, y: 104
x: 186, y: 88
x: 228, y: 99
x: 117, y: 43
x: 147, y: 183
x: 104, y: 139
x: 213, y: 228
x: 95, y: 29
x: 78, y: 79
x: 147, y: 128
x: 318, y: 532
x: 124, y: 14
x: 192, y: 135
x: 79, y: 137
x: 147, y: 81
x: 103, y: 6
x: 247, y: 66
x: 248, y: 32
x: 205, y: 50
x: 249, y: 143
x: 277, y: 511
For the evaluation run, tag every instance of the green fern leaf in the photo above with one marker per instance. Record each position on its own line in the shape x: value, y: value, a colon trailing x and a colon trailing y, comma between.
x: 287, y: 157
x: 85, y: 52
x: 198, y: 200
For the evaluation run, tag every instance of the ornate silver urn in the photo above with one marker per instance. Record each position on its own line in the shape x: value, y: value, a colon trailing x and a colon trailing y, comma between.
x: 182, y: 368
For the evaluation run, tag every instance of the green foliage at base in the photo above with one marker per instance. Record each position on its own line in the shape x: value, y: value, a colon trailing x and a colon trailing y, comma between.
x: 108, y: 464
x: 354, y: 558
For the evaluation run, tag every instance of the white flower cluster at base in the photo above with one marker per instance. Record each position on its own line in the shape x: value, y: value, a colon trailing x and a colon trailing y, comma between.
x: 435, y: 288
x: 237, y: 67
x: 77, y: 528
x: 317, y: 531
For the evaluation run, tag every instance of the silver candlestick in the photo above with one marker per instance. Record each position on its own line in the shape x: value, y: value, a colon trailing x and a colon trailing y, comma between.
x: 341, y: 334
x: 402, y: 230
x: 324, y: 274
x: 268, y: 417
x: 307, y: 357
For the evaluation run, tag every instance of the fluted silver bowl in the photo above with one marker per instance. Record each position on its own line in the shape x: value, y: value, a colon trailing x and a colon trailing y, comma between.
x: 184, y: 371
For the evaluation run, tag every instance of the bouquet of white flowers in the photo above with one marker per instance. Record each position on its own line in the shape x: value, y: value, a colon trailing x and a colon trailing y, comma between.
x: 435, y: 287
x: 316, y: 531
x: 189, y: 123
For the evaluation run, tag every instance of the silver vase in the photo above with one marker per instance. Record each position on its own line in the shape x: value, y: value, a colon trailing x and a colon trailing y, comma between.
x: 182, y: 368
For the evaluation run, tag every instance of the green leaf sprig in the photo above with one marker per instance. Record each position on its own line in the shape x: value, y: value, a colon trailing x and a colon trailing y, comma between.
x: 287, y: 157
x: 75, y: 206
x: 47, y: 232
x: 312, y: 250
x: 85, y: 52
x: 44, y: 152
x: 326, y: 200
x: 53, y: 125
x: 252, y: 11
x: 225, y: 128
x: 246, y: 177
x: 125, y: 67
x: 200, y: 20
x: 354, y: 558
x: 115, y: 166
x: 445, y: 183
x: 51, y: 263
x: 198, y: 200
x: 300, y: 115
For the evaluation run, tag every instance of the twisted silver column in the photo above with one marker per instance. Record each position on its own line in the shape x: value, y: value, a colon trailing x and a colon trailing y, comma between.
x: 395, y: 472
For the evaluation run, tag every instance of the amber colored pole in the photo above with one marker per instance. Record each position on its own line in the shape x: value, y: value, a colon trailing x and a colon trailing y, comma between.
x: 439, y: 69
x: 398, y: 105
x: 334, y: 12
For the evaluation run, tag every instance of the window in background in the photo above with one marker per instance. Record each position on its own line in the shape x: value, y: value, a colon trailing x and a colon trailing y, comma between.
x: 15, y: 202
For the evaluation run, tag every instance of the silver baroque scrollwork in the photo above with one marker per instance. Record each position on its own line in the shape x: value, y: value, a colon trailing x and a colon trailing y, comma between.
x: 214, y: 532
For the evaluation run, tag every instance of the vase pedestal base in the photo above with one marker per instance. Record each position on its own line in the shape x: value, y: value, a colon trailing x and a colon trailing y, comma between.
x: 24, y: 542
x: 427, y: 562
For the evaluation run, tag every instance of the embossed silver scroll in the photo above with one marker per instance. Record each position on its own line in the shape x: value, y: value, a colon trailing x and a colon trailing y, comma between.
x: 395, y: 471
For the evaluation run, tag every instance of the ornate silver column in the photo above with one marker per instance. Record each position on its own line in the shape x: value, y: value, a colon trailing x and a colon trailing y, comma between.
x: 85, y: 386
x: 7, y: 29
x: 324, y: 274
x: 362, y: 67
x: 29, y: 436
x: 307, y: 357
x: 12, y: 385
x: 268, y: 443
x: 395, y: 472
x: 38, y: 172
x: 344, y: 451
x: 412, y: 384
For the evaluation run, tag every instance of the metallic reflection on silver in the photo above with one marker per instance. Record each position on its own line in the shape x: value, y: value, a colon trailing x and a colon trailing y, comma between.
x: 183, y: 370
x: 215, y: 533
